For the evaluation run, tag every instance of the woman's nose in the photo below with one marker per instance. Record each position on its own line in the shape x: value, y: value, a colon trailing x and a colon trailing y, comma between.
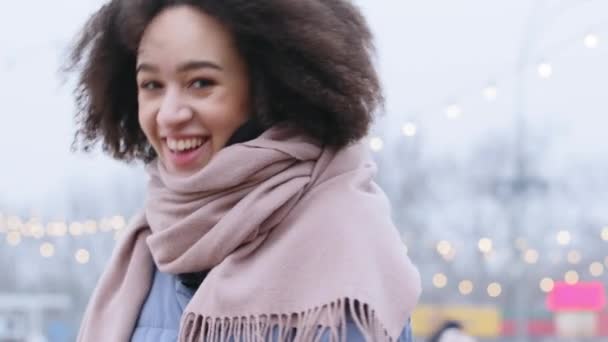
x: 173, y: 110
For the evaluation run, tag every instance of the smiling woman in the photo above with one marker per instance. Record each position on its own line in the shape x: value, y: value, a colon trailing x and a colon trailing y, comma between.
x: 249, y: 116
x: 193, y: 87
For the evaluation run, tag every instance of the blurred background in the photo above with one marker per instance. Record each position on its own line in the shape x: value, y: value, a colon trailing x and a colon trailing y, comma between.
x: 491, y: 148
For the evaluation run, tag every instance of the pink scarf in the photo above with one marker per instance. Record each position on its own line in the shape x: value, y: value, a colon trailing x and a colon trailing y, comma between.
x: 297, y: 236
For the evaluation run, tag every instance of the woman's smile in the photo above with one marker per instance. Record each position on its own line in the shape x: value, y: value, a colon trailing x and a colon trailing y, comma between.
x: 184, y: 152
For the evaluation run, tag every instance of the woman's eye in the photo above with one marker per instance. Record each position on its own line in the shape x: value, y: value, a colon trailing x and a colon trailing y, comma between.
x: 151, y: 85
x: 201, y: 83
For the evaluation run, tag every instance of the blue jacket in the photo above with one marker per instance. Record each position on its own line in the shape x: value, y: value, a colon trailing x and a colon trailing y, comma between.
x: 160, y: 315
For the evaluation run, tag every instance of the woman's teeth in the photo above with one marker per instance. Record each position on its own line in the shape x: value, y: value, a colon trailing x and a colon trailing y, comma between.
x: 180, y: 145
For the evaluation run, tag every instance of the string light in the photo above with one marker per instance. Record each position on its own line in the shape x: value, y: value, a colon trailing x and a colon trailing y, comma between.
x: 574, y: 257
x: 531, y: 256
x: 563, y: 237
x: 485, y: 245
x: 440, y: 280
x: 37, y: 230
x: 90, y: 227
x: 490, y: 92
x: 605, y: 234
x: 591, y: 40
x: 33, y: 228
x: 75, y: 229
x: 444, y: 247
x: 47, y: 250
x: 596, y: 269
x: 57, y: 228
x: 376, y: 144
x: 118, y: 222
x: 450, y: 255
x: 82, y: 256
x: 13, y: 238
x: 409, y: 129
x: 453, y: 111
x: 545, y: 70
x: 571, y: 277
x: 546, y: 285
x: 494, y: 290
x: 465, y: 287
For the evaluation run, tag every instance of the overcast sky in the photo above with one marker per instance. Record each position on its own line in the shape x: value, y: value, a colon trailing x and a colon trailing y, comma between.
x: 431, y: 53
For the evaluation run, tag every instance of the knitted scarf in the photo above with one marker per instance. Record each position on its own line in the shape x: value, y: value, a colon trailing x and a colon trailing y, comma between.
x: 297, y: 236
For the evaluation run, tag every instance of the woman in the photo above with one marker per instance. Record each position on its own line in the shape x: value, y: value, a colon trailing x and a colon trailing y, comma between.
x: 262, y: 221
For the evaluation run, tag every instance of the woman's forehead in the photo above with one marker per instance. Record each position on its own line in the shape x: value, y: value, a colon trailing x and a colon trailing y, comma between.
x: 183, y: 34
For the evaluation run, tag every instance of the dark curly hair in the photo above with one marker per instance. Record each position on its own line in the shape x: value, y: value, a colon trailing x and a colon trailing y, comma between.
x: 310, y: 65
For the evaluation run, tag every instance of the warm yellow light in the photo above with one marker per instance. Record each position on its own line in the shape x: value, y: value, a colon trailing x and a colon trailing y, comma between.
x: 465, y: 287
x: 60, y: 228
x: 76, y: 228
x: 450, y: 255
x: 90, y: 227
x: 82, y: 256
x: 118, y: 222
x: 50, y: 229
x: 485, y: 245
x: 440, y: 280
x: 409, y: 129
x: 591, y: 41
x: 47, y: 250
x: 574, y: 257
x: 531, y: 256
x: 545, y: 70
x: 605, y: 234
x: 13, y: 237
x: 453, y: 111
x: 563, y: 237
x: 494, y: 290
x: 596, y: 269
x: 13, y: 223
x: 546, y: 285
x: 376, y: 144
x: 571, y: 277
x: 37, y: 230
x: 444, y: 247
x: 490, y: 92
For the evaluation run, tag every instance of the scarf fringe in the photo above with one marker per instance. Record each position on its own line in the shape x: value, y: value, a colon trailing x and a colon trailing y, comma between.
x: 327, y: 321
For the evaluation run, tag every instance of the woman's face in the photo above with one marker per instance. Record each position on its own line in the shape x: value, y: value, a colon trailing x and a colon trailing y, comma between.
x: 193, y: 88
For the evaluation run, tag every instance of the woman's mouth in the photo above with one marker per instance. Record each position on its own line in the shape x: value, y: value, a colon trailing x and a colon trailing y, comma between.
x: 184, y: 153
x: 184, y: 145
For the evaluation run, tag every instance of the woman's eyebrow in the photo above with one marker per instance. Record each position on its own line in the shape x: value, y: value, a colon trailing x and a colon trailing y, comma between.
x: 188, y: 66
x: 194, y: 65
